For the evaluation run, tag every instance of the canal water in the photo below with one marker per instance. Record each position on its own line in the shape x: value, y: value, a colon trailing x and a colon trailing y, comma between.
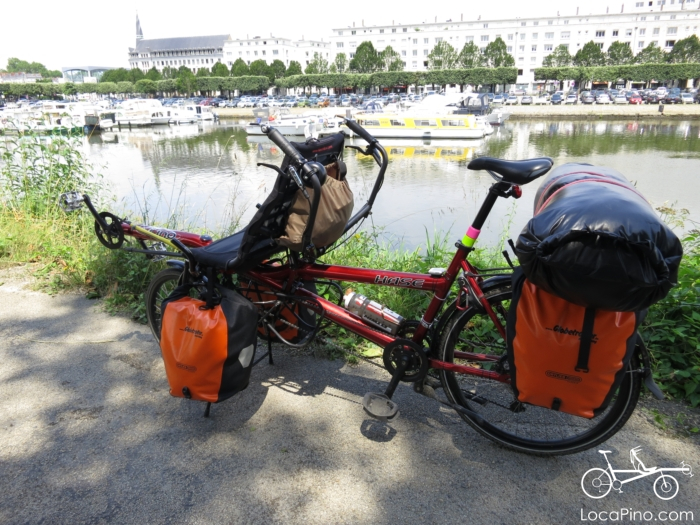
x: 206, y: 177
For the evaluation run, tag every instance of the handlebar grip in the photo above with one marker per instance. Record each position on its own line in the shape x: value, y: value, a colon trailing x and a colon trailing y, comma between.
x: 283, y: 144
x: 359, y: 130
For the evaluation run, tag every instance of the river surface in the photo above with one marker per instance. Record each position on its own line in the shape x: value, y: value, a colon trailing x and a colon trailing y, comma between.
x: 205, y: 177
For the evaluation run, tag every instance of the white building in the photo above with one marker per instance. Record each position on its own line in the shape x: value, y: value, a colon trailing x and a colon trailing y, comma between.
x: 194, y: 52
x: 274, y: 48
x: 530, y: 40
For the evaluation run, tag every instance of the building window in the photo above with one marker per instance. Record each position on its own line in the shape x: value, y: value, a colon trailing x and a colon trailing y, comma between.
x: 521, y: 59
x: 438, y: 39
x: 534, y: 48
x: 340, y: 44
x: 522, y: 49
x: 534, y: 36
x: 533, y: 59
x: 549, y: 36
x: 550, y: 22
x: 352, y: 55
x: 640, y: 44
x: 656, y: 31
x: 639, y: 4
x: 628, y: 32
x: 548, y: 47
x: 275, y: 52
x: 566, y: 22
x: 670, y: 43
x: 599, y: 34
x: 393, y: 30
x: 467, y: 38
x: 509, y: 49
x: 414, y: 64
x: 522, y: 36
x: 340, y: 33
x: 642, y: 32
x: 565, y: 35
x: 484, y: 38
x: 381, y: 30
x: 415, y: 41
x: 673, y: 17
x: 425, y: 52
x: 657, y: 17
x: 600, y: 45
x: 523, y: 24
x: 536, y: 23
x: 353, y: 32
x: 405, y: 30
x: 426, y: 40
x: 415, y: 52
x: 671, y: 30
x: 642, y: 18
x: 510, y: 37
x: 615, y: 32
x: 403, y: 52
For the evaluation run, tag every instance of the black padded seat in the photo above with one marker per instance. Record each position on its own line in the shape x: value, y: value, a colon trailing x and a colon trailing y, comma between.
x: 220, y: 252
x: 514, y: 171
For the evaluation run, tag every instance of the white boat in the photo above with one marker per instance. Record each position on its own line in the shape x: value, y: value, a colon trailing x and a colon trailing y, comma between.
x: 183, y: 113
x: 136, y: 112
x: 310, y: 124
x: 204, y: 113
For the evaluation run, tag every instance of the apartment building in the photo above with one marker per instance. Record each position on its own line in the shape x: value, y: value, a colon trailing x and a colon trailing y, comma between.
x: 530, y: 40
x: 274, y: 48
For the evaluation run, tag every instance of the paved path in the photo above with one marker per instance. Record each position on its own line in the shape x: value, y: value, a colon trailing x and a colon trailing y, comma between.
x: 89, y: 434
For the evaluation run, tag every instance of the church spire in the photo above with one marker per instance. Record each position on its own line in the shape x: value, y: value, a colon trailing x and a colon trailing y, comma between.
x: 139, y: 33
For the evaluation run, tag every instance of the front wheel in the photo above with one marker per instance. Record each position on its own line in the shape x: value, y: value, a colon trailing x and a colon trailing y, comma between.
x: 498, y: 414
x: 665, y: 487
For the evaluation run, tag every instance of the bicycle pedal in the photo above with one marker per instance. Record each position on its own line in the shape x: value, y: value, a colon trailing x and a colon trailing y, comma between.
x: 379, y: 406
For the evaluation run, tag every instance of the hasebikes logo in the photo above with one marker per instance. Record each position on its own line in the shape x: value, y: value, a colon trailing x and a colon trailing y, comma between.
x: 399, y: 281
x: 571, y: 331
x: 197, y: 333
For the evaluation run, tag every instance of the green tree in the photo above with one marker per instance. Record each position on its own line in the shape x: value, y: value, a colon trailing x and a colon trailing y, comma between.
x: 318, y: 66
x: 220, y: 70
x: 186, y: 81
x: 278, y: 69
x: 125, y: 87
x: 154, y: 75
x: 619, y: 54
x: 443, y: 56
x: 169, y: 72
x: 470, y: 56
x: 390, y: 60
x: 685, y: 51
x: 496, y: 54
x: 652, y: 54
x: 202, y: 72
x: 332, y: 69
x: 589, y: 55
x: 115, y: 75
x: 294, y: 68
x: 560, y: 57
x: 341, y: 62
x: 145, y: 86
x: 259, y: 68
x: 240, y: 68
x: 107, y: 88
x: 135, y: 75
x: 366, y: 59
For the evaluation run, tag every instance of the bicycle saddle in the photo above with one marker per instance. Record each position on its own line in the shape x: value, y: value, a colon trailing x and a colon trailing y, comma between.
x: 513, y: 171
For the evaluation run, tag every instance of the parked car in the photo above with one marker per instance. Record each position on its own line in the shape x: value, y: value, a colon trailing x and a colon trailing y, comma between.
x: 557, y: 98
x: 620, y: 99
x: 603, y: 98
x: 687, y: 98
x: 499, y: 99
x: 571, y: 99
x: 541, y: 99
x: 636, y: 99
x: 526, y: 100
x: 517, y: 92
x: 587, y: 98
x: 673, y: 98
x: 511, y: 100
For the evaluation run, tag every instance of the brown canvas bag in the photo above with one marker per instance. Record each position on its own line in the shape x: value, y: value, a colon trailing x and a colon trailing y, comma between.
x: 334, y: 210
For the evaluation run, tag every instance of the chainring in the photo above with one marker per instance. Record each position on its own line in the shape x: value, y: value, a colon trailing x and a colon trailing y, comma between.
x: 113, y: 237
x: 418, y: 360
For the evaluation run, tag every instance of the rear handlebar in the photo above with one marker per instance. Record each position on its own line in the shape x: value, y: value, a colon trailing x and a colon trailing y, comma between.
x: 359, y: 130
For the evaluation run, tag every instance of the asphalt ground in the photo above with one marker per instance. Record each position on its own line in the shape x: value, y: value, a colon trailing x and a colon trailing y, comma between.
x: 89, y: 434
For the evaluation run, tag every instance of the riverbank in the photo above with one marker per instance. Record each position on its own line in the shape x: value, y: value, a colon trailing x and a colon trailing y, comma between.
x: 569, y: 112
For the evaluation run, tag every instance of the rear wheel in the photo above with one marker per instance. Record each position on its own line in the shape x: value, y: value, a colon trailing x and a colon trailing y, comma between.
x: 501, y: 418
x: 158, y: 289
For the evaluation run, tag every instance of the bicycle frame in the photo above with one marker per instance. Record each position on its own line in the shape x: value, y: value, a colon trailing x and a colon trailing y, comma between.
x: 641, y: 475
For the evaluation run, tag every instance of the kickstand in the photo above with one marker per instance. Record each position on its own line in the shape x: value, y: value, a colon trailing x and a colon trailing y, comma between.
x: 206, y: 410
x: 269, y: 348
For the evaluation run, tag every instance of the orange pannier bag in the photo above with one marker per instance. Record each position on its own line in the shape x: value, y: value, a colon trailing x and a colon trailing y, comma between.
x: 208, y: 352
x: 563, y: 356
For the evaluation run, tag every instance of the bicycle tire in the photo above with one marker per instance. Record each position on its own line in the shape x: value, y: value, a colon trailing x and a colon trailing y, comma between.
x: 535, y: 430
x: 158, y: 289
x: 600, y: 485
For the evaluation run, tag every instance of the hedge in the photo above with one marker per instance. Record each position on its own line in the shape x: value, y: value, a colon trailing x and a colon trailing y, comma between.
x: 634, y: 73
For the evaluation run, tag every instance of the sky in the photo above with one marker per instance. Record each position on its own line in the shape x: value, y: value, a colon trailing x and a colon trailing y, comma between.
x: 89, y: 33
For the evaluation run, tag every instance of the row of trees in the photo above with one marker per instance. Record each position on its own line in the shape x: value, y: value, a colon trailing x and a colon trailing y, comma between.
x: 15, y: 65
x: 685, y: 51
x: 632, y: 72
